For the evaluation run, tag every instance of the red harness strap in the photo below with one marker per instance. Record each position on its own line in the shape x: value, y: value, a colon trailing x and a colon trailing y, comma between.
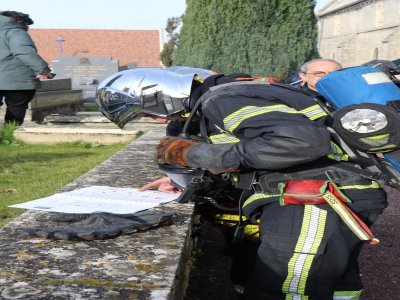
x: 305, y: 192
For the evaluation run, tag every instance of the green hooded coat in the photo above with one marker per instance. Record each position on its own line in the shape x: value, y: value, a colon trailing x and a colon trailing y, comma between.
x: 19, y: 61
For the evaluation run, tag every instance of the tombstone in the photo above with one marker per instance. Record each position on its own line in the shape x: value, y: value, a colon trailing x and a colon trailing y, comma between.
x: 86, y: 72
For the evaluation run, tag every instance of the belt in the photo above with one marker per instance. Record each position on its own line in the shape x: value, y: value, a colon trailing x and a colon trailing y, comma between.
x: 339, y: 173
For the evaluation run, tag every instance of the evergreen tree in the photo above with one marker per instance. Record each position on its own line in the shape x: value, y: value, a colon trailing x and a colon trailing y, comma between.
x: 168, y: 52
x: 261, y: 37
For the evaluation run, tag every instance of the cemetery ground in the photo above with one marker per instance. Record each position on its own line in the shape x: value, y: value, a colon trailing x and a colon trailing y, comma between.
x: 28, y: 172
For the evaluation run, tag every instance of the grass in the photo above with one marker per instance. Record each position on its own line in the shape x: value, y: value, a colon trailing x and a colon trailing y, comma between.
x: 29, y: 172
x: 7, y: 134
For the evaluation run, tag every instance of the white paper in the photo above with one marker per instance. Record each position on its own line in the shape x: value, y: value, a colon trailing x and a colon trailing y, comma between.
x: 99, y: 199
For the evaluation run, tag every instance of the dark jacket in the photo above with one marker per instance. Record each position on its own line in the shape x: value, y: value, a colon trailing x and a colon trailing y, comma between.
x: 19, y: 61
x: 255, y: 126
x: 264, y: 118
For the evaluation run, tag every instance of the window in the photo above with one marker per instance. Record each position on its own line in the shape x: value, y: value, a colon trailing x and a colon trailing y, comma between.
x: 375, y: 53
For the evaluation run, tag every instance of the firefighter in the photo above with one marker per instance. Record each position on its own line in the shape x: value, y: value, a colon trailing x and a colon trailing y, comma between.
x: 271, y: 141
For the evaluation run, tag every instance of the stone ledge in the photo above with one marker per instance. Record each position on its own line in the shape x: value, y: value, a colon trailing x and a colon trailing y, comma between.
x: 55, y: 84
x: 88, y: 118
x: 55, y: 98
x: 51, y: 135
x: 147, y: 265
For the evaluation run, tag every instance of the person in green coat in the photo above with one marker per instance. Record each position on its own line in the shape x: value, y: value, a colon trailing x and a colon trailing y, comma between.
x: 21, y: 68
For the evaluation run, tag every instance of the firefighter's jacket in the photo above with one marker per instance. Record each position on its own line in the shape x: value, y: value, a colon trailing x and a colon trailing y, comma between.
x: 259, y: 126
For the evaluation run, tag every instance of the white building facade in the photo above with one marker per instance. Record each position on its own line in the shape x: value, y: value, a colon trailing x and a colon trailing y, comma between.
x: 356, y: 31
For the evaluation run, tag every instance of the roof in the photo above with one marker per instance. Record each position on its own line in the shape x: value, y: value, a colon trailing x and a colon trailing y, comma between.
x: 336, y: 5
x: 139, y: 47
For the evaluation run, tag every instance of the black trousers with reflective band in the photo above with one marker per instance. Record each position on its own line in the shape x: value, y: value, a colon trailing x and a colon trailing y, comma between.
x: 17, y: 103
x: 304, y: 250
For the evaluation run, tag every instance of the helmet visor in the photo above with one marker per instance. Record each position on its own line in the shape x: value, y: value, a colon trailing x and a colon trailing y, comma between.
x: 118, y: 107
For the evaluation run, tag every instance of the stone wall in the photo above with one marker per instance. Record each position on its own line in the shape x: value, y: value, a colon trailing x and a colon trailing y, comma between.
x: 147, y: 265
x: 360, y: 31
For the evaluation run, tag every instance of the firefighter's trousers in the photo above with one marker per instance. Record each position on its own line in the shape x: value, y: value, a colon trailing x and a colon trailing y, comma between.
x: 305, y: 252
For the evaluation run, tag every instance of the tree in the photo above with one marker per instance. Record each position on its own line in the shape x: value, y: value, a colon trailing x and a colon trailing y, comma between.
x: 261, y: 37
x: 168, y: 52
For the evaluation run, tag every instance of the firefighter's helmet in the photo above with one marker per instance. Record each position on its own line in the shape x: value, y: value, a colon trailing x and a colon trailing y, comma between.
x: 123, y: 96
x: 183, y: 70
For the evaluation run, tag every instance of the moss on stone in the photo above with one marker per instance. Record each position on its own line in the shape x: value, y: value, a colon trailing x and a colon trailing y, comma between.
x: 142, y: 267
x: 99, y: 282
x: 21, y: 277
x: 112, y: 294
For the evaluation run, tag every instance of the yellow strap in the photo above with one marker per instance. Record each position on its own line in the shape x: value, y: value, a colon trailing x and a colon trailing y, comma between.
x: 347, y: 218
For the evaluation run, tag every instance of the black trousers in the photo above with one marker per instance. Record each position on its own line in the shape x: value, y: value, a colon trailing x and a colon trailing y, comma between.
x: 318, y: 264
x: 17, y: 103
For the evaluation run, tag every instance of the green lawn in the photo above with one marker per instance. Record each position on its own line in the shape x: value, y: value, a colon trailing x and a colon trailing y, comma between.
x: 29, y: 172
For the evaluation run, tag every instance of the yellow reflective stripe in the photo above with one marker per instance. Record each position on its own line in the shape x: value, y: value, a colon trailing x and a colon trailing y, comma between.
x: 232, y: 220
x: 347, y: 295
x: 313, y: 112
x: 373, y: 185
x: 232, y: 121
x: 312, y: 231
x: 383, y: 148
x: 377, y: 137
x: 252, y: 230
x: 258, y: 196
x: 223, y: 138
x: 249, y: 230
x: 296, y: 297
x: 229, y: 217
x: 338, y: 153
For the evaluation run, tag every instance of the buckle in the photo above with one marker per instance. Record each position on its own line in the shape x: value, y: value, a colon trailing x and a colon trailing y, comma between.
x: 257, y: 187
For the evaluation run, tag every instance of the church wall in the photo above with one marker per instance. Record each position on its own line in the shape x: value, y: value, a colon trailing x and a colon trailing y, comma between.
x: 362, y: 32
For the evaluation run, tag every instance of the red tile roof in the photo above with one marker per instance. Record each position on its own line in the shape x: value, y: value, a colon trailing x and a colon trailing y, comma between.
x: 127, y: 46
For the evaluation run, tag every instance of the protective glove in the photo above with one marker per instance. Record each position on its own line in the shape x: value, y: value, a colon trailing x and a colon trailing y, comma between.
x: 172, y: 150
x: 101, y: 226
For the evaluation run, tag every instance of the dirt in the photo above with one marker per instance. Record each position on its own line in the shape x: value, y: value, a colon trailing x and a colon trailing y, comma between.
x: 210, y: 276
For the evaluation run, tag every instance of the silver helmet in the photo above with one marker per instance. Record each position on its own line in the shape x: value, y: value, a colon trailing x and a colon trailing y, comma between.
x: 124, y: 95
x: 183, y: 70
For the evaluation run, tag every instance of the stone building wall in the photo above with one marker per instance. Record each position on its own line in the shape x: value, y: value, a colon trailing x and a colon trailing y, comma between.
x: 356, y: 31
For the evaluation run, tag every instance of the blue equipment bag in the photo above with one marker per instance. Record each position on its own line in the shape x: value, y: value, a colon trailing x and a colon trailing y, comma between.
x: 357, y: 85
x: 394, y: 159
x: 354, y: 89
